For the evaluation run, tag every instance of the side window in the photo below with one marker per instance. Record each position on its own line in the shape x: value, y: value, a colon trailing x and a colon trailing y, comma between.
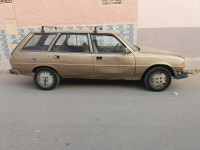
x: 107, y: 44
x: 78, y: 43
x: 39, y: 42
x: 60, y: 45
x: 72, y: 43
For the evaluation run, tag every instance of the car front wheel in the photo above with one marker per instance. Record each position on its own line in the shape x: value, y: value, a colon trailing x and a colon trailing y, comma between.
x: 157, y: 79
x: 46, y: 78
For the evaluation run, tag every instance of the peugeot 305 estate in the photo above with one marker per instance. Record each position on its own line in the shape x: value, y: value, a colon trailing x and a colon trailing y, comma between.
x: 92, y: 54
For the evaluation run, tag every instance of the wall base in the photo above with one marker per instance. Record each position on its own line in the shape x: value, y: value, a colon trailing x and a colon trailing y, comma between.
x: 183, y: 41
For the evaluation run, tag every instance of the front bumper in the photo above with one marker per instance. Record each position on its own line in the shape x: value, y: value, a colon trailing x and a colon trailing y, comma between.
x: 12, y: 71
x: 181, y: 75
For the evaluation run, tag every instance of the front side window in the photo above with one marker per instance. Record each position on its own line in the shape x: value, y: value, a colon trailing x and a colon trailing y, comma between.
x: 107, y: 44
x: 72, y: 43
x: 39, y: 42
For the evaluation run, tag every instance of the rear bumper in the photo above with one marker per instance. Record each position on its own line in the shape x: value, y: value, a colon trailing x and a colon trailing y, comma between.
x: 12, y: 71
x: 181, y: 75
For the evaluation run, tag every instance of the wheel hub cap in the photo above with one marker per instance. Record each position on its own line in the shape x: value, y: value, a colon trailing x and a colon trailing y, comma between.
x: 158, y: 80
x: 45, y: 79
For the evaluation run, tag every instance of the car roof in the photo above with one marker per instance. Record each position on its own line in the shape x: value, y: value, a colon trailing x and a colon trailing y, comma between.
x: 73, y: 31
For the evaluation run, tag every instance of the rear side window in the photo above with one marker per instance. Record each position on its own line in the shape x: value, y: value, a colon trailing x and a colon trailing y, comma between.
x: 73, y: 43
x: 39, y: 42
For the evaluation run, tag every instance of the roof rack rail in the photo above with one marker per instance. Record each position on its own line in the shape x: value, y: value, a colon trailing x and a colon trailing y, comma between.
x: 42, y: 28
x: 97, y: 27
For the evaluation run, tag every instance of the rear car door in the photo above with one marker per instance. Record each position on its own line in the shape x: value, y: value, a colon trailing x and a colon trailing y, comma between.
x: 110, y: 59
x: 71, y: 55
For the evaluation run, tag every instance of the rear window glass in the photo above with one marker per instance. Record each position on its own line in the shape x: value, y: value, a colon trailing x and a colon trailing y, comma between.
x: 39, y: 42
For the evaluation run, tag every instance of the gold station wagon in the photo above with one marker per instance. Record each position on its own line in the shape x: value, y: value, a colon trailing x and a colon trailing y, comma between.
x: 92, y: 54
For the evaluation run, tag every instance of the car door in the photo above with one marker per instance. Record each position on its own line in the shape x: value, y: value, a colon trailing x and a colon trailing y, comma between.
x: 110, y: 58
x: 34, y: 52
x: 71, y: 55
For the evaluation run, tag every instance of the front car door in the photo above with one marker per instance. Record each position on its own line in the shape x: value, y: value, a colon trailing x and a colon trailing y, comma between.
x: 71, y: 55
x: 110, y: 59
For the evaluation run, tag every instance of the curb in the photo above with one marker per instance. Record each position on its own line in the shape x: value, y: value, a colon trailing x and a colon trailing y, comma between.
x: 192, y: 65
x: 193, y: 72
x: 4, y: 67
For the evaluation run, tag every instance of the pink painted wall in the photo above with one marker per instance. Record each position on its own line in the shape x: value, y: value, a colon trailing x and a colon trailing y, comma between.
x: 35, y: 13
x: 168, y: 13
x: 6, y: 12
x: 171, y: 25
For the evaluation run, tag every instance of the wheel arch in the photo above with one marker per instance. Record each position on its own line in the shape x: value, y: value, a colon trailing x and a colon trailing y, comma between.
x: 169, y: 68
x: 37, y: 67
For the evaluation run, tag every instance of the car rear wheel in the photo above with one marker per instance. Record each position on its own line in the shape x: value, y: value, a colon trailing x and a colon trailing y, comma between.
x: 157, y: 79
x: 46, y: 78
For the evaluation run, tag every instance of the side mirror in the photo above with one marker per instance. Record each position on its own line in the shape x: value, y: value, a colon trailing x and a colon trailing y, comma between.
x: 127, y: 51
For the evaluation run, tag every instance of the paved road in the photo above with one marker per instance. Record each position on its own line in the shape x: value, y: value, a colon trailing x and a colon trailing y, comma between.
x: 99, y: 115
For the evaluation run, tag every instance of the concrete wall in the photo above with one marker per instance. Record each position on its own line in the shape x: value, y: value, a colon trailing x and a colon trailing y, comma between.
x: 170, y: 24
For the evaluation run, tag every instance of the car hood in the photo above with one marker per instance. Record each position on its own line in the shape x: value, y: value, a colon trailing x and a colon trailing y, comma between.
x: 156, y: 51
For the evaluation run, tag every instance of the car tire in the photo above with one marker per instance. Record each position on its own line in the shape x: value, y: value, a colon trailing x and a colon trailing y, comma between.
x: 157, y: 79
x: 46, y: 78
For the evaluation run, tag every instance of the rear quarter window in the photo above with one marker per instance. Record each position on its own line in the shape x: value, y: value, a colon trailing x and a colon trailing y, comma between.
x: 39, y: 42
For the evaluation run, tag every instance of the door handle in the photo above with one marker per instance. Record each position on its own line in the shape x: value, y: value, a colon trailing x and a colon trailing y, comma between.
x: 56, y: 57
x: 99, y: 58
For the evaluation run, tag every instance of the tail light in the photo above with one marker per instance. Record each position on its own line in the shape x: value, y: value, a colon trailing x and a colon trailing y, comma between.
x: 13, y: 46
x: 11, y: 61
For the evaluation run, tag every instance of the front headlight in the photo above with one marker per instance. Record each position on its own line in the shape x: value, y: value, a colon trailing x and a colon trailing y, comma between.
x: 183, y: 64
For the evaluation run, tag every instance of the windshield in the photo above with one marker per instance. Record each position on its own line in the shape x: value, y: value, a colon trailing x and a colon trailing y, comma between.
x: 131, y: 45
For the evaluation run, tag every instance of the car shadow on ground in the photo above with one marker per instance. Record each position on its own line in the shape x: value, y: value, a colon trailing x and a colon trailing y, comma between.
x: 100, y: 82
x: 27, y: 82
